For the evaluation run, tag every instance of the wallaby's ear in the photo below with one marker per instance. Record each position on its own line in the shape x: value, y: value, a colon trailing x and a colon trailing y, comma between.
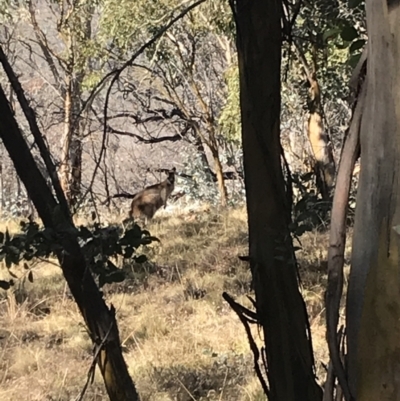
x: 172, y: 171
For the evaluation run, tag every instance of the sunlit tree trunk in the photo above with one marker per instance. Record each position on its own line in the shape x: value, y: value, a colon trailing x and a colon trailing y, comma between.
x: 71, y: 152
x: 74, y: 28
x: 66, y: 142
x: 321, y: 147
x: 280, y: 308
x: 373, y: 302
x: 211, y: 142
x: 220, y: 177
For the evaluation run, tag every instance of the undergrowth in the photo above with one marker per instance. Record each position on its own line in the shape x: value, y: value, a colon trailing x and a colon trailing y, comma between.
x: 180, y: 339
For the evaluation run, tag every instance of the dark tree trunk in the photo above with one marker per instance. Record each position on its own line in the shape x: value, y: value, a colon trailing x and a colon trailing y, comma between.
x: 280, y: 307
x: 100, y: 320
x: 76, y: 170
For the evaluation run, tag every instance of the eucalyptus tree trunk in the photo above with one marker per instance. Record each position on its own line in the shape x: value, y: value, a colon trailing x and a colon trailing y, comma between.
x: 280, y: 308
x: 71, y: 152
x: 373, y: 301
x: 220, y: 177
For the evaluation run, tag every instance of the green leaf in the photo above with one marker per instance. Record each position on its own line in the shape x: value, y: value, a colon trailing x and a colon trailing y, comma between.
x: 331, y: 34
x: 7, y: 236
x: 114, y: 277
x: 349, y: 33
x: 357, y: 45
x: 5, y: 285
x: 128, y: 252
x: 354, y: 3
x: 141, y: 259
x: 303, y: 229
x: 354, y: 59
x: 8, y: 261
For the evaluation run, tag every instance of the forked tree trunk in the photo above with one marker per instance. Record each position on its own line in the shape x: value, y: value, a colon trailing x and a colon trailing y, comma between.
x: 373, y: 301
x: 280, y: 307
x: 100, y: 320
x: 219, y: 174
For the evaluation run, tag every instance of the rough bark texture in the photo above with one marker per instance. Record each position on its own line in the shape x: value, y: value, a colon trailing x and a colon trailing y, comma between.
x: 373, y: 302
x: 66, y: 142
x: 76, y: 170
x: 100, y: 321
x: 71, y: 153
x: 280, y: 307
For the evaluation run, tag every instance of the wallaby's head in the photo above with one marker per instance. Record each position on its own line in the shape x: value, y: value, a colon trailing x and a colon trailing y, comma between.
x: 171, y: 175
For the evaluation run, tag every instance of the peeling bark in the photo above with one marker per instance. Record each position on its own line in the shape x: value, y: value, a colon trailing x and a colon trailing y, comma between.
x: 373, y: 302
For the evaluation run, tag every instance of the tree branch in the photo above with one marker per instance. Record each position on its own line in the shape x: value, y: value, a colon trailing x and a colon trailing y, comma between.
x: 31, y: 118
x: 47, y: 52
x: 337, y: 240
x: 173, y: 138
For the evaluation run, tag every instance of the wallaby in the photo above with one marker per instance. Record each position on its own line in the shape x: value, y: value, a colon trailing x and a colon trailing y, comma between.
x: 146, y: 202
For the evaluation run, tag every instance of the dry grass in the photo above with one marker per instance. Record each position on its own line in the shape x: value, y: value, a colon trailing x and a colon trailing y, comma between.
x: 180, y: 339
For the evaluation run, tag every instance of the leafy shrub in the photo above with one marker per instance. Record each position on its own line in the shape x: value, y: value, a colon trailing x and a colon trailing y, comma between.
x: 99, y: 244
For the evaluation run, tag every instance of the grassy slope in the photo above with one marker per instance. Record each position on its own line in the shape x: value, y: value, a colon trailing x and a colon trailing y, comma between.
x: 181, y: 341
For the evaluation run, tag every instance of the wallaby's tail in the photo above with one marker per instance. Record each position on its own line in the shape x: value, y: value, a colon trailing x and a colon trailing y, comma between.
x: 128, y: 196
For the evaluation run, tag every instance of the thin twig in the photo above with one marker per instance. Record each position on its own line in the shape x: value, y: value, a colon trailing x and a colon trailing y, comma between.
x: 241, y: 311
x: 90, y: 375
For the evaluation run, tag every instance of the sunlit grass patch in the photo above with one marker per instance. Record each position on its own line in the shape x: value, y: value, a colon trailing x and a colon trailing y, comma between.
x: 179, y: 337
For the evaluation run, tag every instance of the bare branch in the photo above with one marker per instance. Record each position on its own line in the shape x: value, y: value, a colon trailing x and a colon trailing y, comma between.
x: 117, y: 72
x: 337, y: 240
x: 31, y: 118
x: 48, y: 54
x: 173, y: 138
x: 114, y: 75
x: 246, y: 316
